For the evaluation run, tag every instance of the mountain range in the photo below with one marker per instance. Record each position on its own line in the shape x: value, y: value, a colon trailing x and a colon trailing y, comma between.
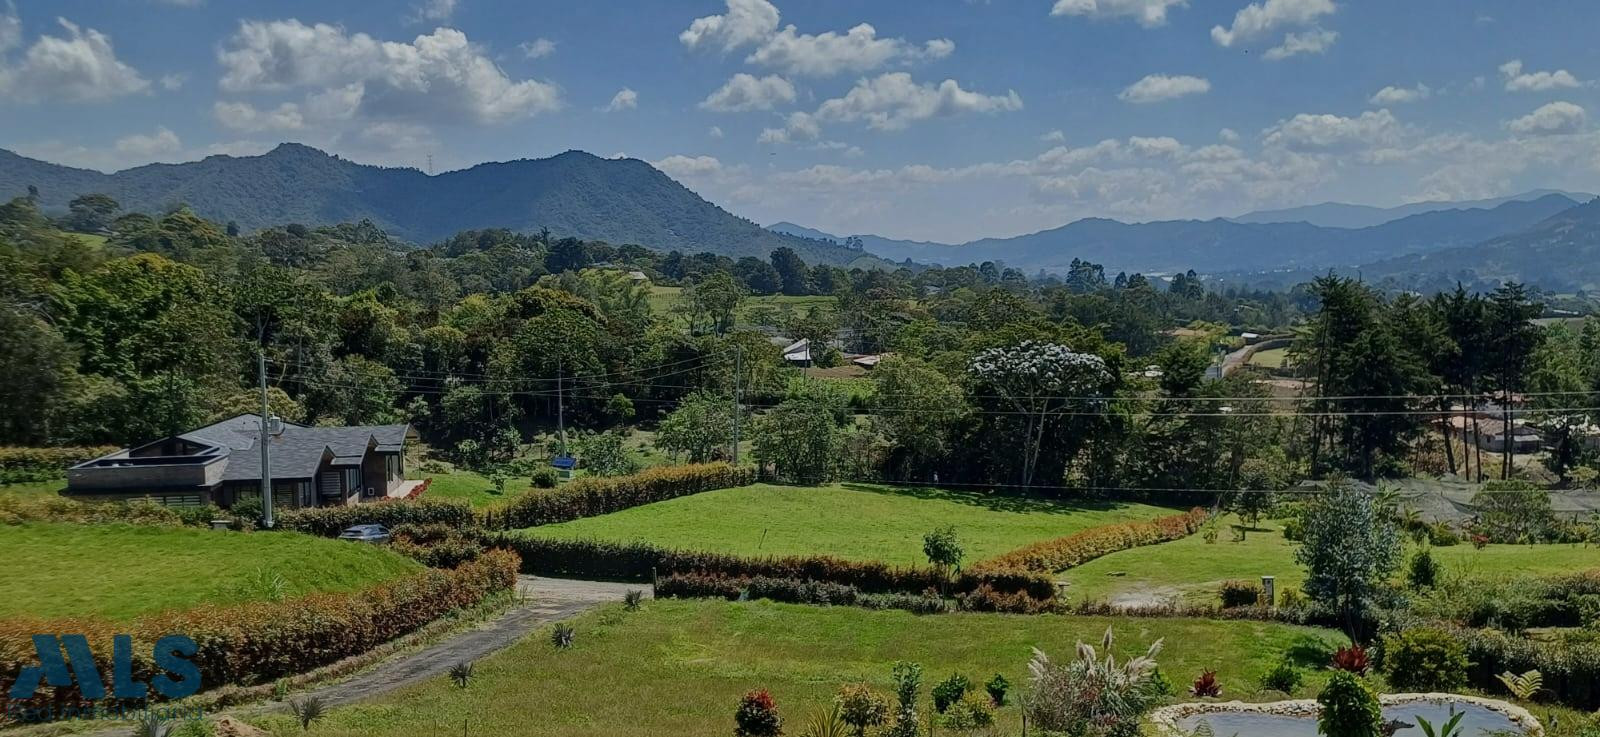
x: 1342, y: 215
x: 578, y: 194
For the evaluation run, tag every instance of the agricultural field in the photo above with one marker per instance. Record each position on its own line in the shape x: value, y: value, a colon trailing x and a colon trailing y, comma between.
x: 1193, y: 570
x: 679, y: 667
x: 123, y: 571
x: 1270, y: 358
x: 853, y: 521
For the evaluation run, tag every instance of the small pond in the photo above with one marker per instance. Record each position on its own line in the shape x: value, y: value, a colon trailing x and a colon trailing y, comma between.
x: 1477, y: 721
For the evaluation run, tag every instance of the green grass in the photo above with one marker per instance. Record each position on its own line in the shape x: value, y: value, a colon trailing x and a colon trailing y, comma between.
x: 1270, y: 358
x: 31, y: 489
x: 471, y: 486
x: 663, y: 299
x: 679, y: 667
x: 854, y: 521
x: 1194, y: 569
x: 122, y: 571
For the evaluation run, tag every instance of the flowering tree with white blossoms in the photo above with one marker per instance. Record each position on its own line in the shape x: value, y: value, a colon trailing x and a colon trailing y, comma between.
x: 1039, y: 381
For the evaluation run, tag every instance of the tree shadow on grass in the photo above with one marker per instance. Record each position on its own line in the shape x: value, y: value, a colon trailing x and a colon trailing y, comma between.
x: 997, y: 499
x: 1309, y: 652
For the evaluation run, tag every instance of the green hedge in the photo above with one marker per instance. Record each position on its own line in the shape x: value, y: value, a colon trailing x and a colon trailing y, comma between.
x: 1571, y: 670
x: 596, y: 495
x: 792, y: 590
x: 262, y: 641
x: 330, y: 521
x: 21, y: 465
x: 639, y: 561
x: 1059, y: 554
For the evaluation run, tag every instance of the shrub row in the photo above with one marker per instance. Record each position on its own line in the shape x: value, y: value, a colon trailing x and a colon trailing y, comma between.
x: 1571, y: 670
x: 15, y: 509
x: 259, y: 642
x: 639, y: 561
x: 436, y: 546
x: 330, y: 521
x: 792, y: 590
x: 1059, y: 554
x: 20, y: 465
x: 596, y: 495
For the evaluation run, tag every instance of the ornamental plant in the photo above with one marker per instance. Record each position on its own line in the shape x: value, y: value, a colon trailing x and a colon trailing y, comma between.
x: 949, y: 691
x: 1425, y: 659
x: 1352, y: 659
x: 861, y: 707
x: 757, y: 716
x: 1091, y: 690
x: 1206, y: 686
x: 1349, y: 708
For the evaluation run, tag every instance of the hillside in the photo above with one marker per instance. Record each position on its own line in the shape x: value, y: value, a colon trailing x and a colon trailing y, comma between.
x: 1342, y: 215
x: 574, y: 193
x: 1560, y: 254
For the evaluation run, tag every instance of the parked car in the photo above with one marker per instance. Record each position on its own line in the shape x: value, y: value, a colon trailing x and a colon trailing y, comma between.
x: 366, y: 534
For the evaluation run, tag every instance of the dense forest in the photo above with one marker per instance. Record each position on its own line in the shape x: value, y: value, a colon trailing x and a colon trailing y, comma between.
x: 1103, y: 383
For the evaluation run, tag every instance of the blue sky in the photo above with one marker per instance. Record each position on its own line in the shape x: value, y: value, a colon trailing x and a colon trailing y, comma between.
x: 944, y: 119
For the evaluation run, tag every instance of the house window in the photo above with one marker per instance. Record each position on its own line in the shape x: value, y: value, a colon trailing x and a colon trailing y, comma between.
x: 177, y: 500
x: 391, y: 466
x: 352, y: 481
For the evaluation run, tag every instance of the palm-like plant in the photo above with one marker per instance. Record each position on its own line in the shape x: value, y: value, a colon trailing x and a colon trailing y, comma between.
x: 632, y: 599
x: 308, y: 711
x: 1525, y: 686
x: 1451, y: 728
x: 1092, y: 690
x: 461, y: 673
x: 151, y: 725
x: 828, y: 723
x: 561, y: 636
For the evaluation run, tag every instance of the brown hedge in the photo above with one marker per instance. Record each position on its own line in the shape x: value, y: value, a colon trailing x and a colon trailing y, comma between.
x: 592, y: 496
x: 258, y: 642
x: 1059, y: 554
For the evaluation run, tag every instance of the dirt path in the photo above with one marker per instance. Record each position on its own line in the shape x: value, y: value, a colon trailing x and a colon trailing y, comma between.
x: 550, y: 600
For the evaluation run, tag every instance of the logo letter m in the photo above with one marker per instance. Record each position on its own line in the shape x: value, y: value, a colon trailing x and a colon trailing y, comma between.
x: 52, y: 668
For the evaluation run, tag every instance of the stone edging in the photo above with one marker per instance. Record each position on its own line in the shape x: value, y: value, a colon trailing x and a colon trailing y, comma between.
x: 1166, y: 718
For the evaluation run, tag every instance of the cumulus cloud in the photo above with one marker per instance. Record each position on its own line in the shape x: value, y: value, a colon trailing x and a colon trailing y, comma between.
x: 625, y: 99
x: 715, y: 132
x: 1555, y: 118
x: 893, y: 101
x: 1055, y: 136
x: 1228, y: 134
x: 162, y: 141
x: 678, y: 166
x: 754, y: 23
x: 1327, y: 132
x: 537, y: 48
x: 1314, y: 41
x: 1158, y: 87
x: 1149, y: 13
x: 81, y: 66
x: 1518, y: 80
x: 437, y: 76
x: 796, y: 127
x: 1392, y: 95
x: 242, y: 116
x: 1257, y: 19
x: 745, y: 92
x: 747, y: 22
x: 432, y: 11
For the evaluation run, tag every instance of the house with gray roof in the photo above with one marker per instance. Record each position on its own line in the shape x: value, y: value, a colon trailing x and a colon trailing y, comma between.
x: 221, y: 464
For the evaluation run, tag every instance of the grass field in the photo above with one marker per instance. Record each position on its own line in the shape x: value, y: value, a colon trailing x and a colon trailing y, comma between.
x: 679, y: 667
x: 855, y: 521
x: 34, y: 488
x: 1194, y: 569
x: 1270, y: 358
x: 473, y: 487
x: 122, y: 571
x: 663, y: 299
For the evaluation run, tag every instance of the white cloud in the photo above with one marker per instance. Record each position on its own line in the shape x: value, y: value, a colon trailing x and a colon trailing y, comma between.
x: 432, y: 11
x: 747, y: 22
x: 1055, y: 136
x: 438, y: 76
x: 1314, y: 41
x: 1519, y: 81
x: 893, y: 101
x: 745, y: 92
x: 1326, y: 132
x: 1393, y: 95
x: 1256, y: 19
x: 242, y: 116
x: 715, y: 132
x: 1228, y: 134
x: 1158, y: 87
x: 80, y: 67
x: 1149, y: 13
x: 159, y: 143
x: 173, y: 82
x: 538, y: 48
x: 1555, y: 118
x: 826, y: 54
x: 625, y: 99
x: 678, y: 166
x: 796, y: 127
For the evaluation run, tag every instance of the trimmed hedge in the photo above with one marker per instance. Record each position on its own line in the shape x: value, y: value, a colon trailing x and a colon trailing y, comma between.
x: 592, y: 496
x: 1571, y: 671
x: 259, y: 642
x: 1059, y: 554
x: 637, y: 561
x: 20, y: 465
x: 792, y: 590
x: 330, y: 521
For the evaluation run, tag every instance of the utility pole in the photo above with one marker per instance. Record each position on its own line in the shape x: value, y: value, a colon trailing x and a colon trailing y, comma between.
x: 266, y: 439
x: 561, y: 410
x: 738, y: 371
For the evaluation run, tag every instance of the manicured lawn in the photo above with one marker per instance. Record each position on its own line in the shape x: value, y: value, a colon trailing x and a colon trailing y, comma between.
x: 1270, y: 358
x: 473, y: 487
x: 855, y: 521
x: 1194, y: 569
x: 122, y: 571
x: 679, y: 667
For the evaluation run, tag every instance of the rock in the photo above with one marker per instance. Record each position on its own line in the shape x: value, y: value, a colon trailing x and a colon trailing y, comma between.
x: 230, y: 727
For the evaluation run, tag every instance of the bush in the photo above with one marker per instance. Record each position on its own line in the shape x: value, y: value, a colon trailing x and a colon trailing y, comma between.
x: 1349, y: 708
x: 861, y: 707
x: 23, y: 465
x: 262, y: 641
x: 971, y: 712
x: 757, y: 716
x: 1424, y: 570
x: 1351, y: 659
x: 1294, y: 529
x: 1425, y: 659
x: 997, y: 689
x: 16, y: 508
x: 1059, y: 554
x: 1571, y: 670
x: 436, y: 545
x: 592, y: 496
x: 1206, y: 686
x: 1442, y: 535
x: 948, y: 691
x: 1241, y: 593
x: 330, y: 521
x: 1285, y: 678
x: 544, y: 478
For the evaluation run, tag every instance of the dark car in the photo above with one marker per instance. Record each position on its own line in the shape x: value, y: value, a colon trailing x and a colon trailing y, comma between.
x: 366, y: 534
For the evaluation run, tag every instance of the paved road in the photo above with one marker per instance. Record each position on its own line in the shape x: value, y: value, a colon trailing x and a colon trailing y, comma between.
x: 550, y: 600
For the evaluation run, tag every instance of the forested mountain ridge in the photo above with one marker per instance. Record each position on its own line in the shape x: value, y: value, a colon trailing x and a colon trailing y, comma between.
x: 619, y: 201
x: 1560, y: 254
